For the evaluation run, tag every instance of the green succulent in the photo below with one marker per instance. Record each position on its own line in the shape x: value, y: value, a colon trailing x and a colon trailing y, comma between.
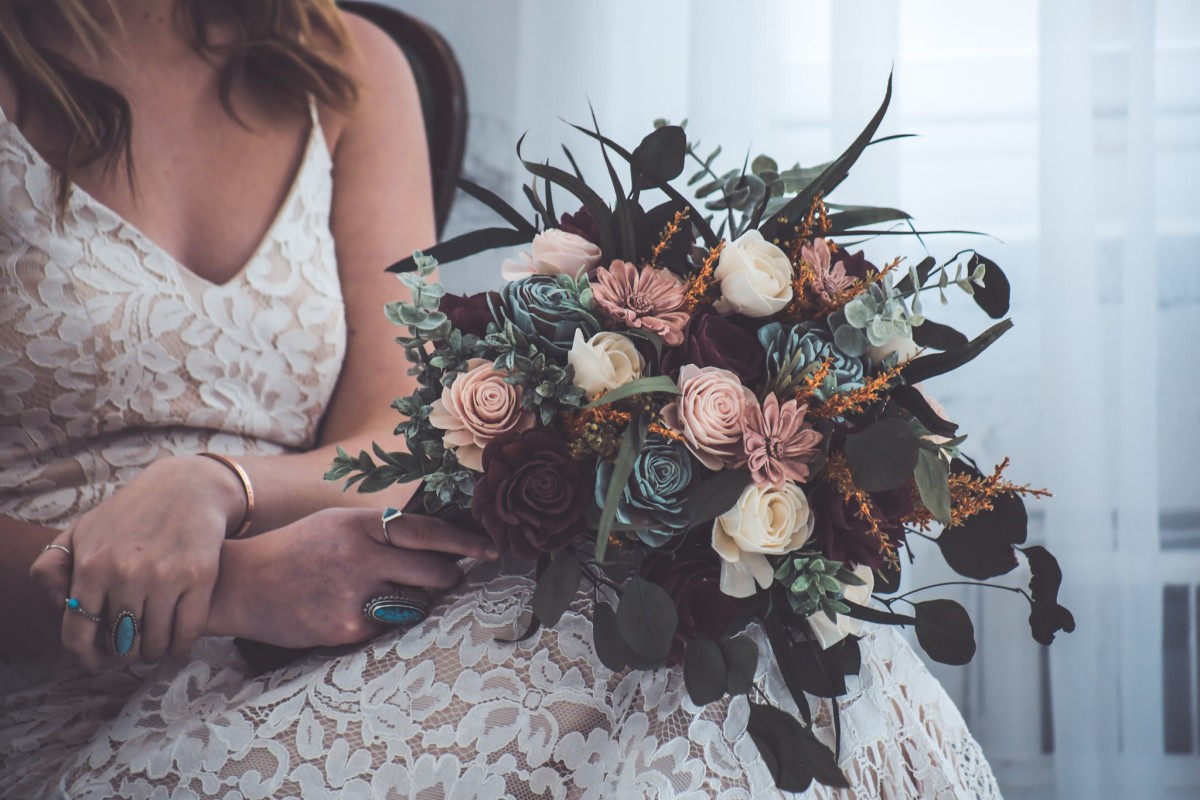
x: 815, y: 583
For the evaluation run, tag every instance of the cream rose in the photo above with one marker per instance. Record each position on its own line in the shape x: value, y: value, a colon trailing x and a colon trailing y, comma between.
x: 476, y: 408
x: 555, y: 252
x: 766, y: 520
x: 709, y: 414
x: 604, y: 362
x: 830, y: 633
x: 755, y: 276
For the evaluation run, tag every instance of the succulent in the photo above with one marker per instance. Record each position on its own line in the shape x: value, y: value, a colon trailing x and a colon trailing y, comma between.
x: 815, y: 584
x: 874, y: 318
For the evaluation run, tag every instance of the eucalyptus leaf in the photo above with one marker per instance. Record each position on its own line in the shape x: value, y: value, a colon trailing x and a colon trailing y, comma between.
x: 556, y: 587
x: 606, y: 637
x: 932, y: 477
x: 656, y: 383
x: 467, y: 244
x: 993, y: 294
x: 704, y: 672
x: 715, y: 495
x: 647, y: 620
x: 776, y: 734
x: 883, y: 455
x: 741, y: 663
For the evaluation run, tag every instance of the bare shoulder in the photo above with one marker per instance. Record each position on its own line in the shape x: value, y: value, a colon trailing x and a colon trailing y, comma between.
x: 387, y: 88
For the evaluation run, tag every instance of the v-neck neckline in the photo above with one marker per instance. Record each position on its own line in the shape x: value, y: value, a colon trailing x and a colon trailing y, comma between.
x: 79, y: 193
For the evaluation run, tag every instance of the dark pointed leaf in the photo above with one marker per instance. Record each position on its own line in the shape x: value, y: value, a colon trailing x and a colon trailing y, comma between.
x: 557, y: 587
x: 818, y: 678
x: 883, y: 455
x: 467, y: 245
x: 593, y: 202
x: 926, y: 367
x: 821, y: 760
x: 877, y: 615
x: 783, y: 647
x: 848, y: 654
x: 1046, y: 616
x: 829, y: 178
x: 858, y: 216
x: 647, y: 619
x: 937, y: 336
x: 945, y: 632
x: 704, y: 672
x: 631, y: 444
x: 993, y: 296
x: 741, y: 663
x: 496, y: 203
x: 911, y: 400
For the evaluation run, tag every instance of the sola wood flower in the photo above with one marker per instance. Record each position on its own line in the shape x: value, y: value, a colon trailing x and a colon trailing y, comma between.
x: 829, y: 279
x: 479, y: 406
x: 648, y: 298
x: 779, y: 444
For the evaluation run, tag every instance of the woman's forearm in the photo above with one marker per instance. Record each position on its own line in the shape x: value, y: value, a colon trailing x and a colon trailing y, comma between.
x: 29, y: 622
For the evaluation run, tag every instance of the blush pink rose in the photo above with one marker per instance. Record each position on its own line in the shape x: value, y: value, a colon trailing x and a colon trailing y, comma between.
x: 709, y: 414
x: 555, y: 252
x: 476, y: 408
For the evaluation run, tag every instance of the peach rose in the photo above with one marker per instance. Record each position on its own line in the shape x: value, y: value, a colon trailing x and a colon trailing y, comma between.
x: 476, y: 408
x: 709, y: 414
x: 555, y: 252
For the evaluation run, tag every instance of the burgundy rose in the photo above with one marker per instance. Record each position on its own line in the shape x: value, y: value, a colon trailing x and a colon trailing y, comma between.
x: 691, y: 577
x: 581, y: 224
x: 855, y: 264
x: 710, y: 340
x: 469, y: 313
x: 532, y: 495
x: 843, y: 536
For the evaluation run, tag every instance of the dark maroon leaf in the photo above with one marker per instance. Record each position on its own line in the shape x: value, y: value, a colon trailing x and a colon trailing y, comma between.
x: 945, y: 632
x: 1046, y: 616
x: 993, y: 296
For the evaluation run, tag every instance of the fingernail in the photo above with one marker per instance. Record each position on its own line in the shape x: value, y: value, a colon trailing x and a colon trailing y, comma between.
x: 491, y: 552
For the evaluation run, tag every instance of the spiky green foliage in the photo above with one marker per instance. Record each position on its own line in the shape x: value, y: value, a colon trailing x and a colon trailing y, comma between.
x: 548, y: 388
x: 814, y: 583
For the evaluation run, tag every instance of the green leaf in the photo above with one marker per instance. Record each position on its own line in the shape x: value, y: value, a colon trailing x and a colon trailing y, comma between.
x: 945, y: 632
x: 741, y: 663
x: 610, y: 648
x: 704, y: 672
x: 883, y: 455
x: 932, y: 477
x: 858, y: 216
x: 647, y: 619
x: 926, y: 367
x: 716, y: 494
x: 821, y: 760
x: 657, y: 383
x: 557, y: 587
x: 631, y: 444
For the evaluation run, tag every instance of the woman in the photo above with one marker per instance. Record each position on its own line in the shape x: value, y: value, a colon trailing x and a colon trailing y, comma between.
x: 202, y: 275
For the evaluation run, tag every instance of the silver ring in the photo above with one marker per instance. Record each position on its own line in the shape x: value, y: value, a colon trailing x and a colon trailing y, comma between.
x: 406, y: 607
x: 64, y: 548
x: 390, y: 514
x: 73, y: 605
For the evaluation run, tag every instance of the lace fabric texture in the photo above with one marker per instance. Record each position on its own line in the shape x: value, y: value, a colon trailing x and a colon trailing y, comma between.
x: 113, y: 355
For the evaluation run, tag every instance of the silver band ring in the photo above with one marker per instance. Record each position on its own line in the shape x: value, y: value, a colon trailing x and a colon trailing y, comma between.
x: 73, y: 605
x: 406, y: 607
x: 390, y: 514
x: 64, y: 548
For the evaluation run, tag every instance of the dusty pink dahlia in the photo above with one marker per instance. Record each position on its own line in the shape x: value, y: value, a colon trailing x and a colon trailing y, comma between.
x: 828, y: 279
x: 648, y: 298
x: 779, y: 444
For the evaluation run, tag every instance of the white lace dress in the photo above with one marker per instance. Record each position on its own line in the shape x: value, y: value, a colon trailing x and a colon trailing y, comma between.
x: 113, y: 355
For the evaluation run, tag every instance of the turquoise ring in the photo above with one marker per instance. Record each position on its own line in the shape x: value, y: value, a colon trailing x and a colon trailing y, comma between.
x: 73, y: 605
x: 124, y: 633
x: 396, y: 609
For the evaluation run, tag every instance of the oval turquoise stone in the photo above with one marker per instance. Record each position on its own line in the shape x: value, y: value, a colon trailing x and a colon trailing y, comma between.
x: 397, y: 615
x: 124, y: 634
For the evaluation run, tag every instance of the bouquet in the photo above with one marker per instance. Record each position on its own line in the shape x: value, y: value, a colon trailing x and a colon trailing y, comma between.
x: 709, y: 428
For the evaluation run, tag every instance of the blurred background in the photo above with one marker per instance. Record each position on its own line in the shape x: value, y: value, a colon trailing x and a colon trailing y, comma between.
x: 1067, y: 130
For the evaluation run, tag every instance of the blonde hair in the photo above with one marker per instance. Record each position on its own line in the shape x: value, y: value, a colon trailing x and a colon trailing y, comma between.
x: 284, y: 49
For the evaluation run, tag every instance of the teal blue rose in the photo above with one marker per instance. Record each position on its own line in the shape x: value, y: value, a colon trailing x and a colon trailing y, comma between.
x: 550, y: 308
x: 792, y: 348
x: 654, y: 495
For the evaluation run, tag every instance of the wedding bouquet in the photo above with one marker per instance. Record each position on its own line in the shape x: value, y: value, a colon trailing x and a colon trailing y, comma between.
x: 710, y: 427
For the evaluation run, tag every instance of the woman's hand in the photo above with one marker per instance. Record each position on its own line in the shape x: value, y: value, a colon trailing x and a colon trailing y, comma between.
x: 306, y: 584
x: 152, y: 549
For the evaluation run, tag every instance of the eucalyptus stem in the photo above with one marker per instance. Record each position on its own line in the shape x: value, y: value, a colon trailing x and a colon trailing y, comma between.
x: 1014, y: 589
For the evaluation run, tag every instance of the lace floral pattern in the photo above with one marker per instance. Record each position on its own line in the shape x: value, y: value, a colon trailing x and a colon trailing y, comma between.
x: 113, y: 355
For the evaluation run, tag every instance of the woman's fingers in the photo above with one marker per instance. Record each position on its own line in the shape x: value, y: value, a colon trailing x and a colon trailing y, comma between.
x: 417, y: 532
x: 419, y: 569
x: 155, y: 625
x: 191, y: 615
x: 84, y: 633
x: 52, y: 568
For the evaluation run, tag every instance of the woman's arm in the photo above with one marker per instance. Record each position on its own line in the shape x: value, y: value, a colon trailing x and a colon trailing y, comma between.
x: 382, y: 211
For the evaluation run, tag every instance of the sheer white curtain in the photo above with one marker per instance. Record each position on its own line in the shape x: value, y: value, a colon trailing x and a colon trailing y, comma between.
x: 1069, y: 130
